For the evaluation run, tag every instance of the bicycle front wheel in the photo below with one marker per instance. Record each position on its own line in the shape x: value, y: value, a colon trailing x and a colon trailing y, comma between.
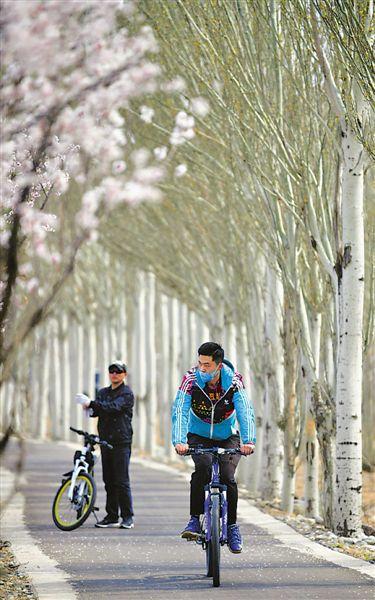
x: 213, y: 562
x: 68, y: 514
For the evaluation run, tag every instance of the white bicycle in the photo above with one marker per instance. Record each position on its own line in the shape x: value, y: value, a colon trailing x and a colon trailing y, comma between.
x: 75, y: 498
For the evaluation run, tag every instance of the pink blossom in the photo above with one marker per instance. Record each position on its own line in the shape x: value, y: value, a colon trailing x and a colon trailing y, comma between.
x: 149, y: 175
x: 176, y: 138
x: 32, y: 285
x: 147, y: 114
x: 55, y: 258
x: 60, y: 181
x: 161, y: 152
x: 25, y: 269
x: 4, y: 238
x: 184, y: 121
x: 180, y: 170
x: 136, y: 192
x: 55, y: 106
x: 118, y: 166
x: 140, y: 157
x: 175, y: 85
x: 200, y: 106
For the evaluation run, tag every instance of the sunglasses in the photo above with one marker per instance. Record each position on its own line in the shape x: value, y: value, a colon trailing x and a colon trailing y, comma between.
x: 111, y: 371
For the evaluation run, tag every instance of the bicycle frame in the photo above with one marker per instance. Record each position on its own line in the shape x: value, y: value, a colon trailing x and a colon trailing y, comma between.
x: 216, y: 488
x: 75, y: 498
x: 79, y: 468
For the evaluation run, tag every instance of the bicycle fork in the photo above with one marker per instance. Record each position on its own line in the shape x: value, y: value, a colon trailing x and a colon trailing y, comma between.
x: 209, y: 492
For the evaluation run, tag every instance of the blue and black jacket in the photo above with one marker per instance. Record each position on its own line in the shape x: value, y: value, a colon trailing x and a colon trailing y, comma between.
x: 193, y: 410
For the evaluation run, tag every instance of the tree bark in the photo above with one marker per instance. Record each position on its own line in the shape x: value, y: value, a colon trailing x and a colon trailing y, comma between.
x: 350, y: 270
x: 272, y: 452
x: 290, y: 353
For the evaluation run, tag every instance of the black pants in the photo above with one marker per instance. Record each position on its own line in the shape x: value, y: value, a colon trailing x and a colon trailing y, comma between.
x: 115, y: 464
x: 202, y: 474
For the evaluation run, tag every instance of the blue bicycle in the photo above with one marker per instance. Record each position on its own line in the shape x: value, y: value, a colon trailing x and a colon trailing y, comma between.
x: 214, y: 521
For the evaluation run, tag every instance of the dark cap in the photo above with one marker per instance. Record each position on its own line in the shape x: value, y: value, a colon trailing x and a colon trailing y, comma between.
x: 119, y: 365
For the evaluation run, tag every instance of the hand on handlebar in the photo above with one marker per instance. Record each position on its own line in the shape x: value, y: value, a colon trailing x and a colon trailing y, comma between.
x: 247, y: 449
x: 181, y: 449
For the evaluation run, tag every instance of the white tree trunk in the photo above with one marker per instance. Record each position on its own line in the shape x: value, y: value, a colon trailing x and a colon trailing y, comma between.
x: 32, y: 410
x: 41, y: 404
x: 7, y: 398
x: 163, y: 379
x: 122, y: 331
x: 290, y: 354
x: 78, y: 386
x: 151, y: 364
x: 348, y: 502
x: 90, y: 362
x: 272, y: 452
x: 55, y: 382
x: 311, y: 491
x: 230, y: 345
x: 192, y: 335
x: 174, y: 373
x: 65, y: 376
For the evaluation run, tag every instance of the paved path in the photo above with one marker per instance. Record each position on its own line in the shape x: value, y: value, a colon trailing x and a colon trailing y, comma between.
x: 151, y: 562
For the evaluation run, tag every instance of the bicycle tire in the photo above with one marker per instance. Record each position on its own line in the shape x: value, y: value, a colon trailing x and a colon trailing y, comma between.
x: 215, y: 541
x: 208, y: 550
x: 67, y: 514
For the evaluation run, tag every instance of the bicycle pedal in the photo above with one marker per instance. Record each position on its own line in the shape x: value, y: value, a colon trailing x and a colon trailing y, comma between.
x: 95, y: 508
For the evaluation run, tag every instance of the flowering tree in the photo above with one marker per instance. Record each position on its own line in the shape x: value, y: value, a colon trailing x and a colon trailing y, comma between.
x: 68, y: 70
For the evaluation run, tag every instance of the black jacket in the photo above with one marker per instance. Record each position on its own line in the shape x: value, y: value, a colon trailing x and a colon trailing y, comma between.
x: 114, y: 407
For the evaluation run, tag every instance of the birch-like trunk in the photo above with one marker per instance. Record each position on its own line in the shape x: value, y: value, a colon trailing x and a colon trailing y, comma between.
x: 138, y: 370
x: 163, y: 375
x: 90, y: 362
x: 150, y: 352
x: 174, y: 373
x: 184, y: 324
x: 41, y: 402
x: 348, y: 502
x: 230, y: 343
x: 122, y: 331
x: 56, y: 406
x: 78, y: 386
x: 65, y: 376
x: 311, y: 491
x: 272, y: 452
x: 32, y: 412
x: 290, y: 361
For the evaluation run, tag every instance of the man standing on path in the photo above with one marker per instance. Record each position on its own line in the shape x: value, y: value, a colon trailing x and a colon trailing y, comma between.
x: 114, y: 407
x: 210, y: 399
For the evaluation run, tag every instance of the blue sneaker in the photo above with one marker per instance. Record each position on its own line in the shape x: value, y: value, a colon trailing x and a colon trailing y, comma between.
x: 234, y: 539
x: 192, y: 530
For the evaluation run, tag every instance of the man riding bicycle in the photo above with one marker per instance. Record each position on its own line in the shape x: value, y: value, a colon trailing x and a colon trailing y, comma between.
x: 210, y: 399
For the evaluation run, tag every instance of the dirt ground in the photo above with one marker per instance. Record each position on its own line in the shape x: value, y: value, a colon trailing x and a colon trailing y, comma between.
x: 14, y: 585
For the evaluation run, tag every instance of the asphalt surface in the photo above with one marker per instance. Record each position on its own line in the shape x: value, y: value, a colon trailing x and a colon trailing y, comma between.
x: 152, y: 562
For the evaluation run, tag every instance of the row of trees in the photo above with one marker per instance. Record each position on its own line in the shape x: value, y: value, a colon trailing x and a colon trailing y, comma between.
x: 275, y: 188
x: 260, y: 234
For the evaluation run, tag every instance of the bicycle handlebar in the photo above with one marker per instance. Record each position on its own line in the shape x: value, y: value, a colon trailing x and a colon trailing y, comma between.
x: 214, y: 450
x: 94, y: 439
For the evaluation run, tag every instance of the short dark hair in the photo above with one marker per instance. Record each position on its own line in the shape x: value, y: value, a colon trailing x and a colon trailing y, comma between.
x: 212, y: 349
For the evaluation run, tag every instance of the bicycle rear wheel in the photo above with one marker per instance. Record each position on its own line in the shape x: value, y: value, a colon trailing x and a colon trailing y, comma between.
x: 68, y: 514
x: 214, y: 543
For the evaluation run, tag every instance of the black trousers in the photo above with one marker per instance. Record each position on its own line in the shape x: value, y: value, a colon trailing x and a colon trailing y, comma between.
x: 115, y: 464
x: 202, y: 474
